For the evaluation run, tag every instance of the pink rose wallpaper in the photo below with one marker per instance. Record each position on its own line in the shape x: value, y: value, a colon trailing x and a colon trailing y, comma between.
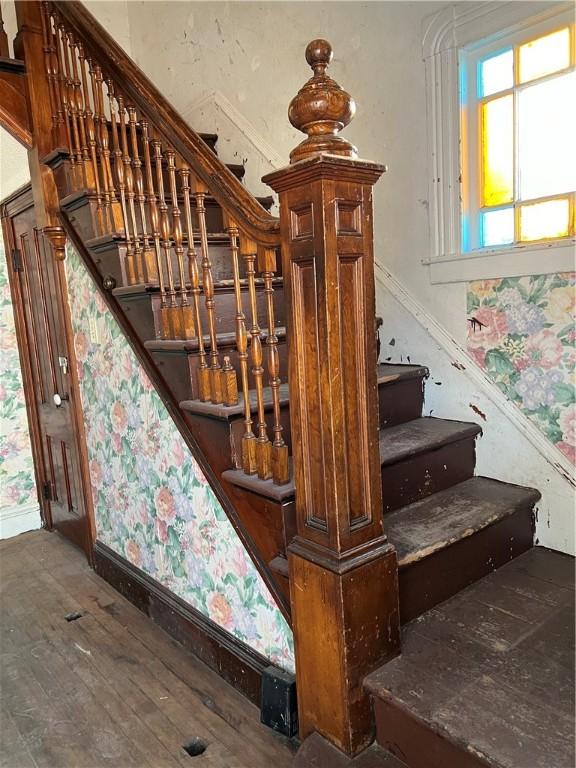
x: 521, y: 331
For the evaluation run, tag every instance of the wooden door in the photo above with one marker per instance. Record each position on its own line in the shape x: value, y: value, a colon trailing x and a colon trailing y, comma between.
x: 48, y: 378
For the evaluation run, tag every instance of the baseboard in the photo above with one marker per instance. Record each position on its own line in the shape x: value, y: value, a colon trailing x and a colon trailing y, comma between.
x: 232, y: 659
x: 19, y: 519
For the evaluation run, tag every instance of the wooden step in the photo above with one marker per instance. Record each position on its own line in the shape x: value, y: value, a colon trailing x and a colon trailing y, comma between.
x: 141, y: 303
x: 400, y: 393
x: 486, y: 679
x: 178, y: 360
x: 454, y: 537
x: 423, y: 456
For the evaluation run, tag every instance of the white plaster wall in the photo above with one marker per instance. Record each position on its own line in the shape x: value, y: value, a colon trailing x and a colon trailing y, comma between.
x: 14, y: 171
x: 113, y: 15
x: 253, y: 54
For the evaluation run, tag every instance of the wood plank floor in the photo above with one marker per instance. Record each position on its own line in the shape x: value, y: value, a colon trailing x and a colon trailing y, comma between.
x: 110, y: 688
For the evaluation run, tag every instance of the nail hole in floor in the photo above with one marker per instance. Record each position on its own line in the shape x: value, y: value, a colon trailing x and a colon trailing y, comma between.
x: 195, y: 747
x: 73, y: 616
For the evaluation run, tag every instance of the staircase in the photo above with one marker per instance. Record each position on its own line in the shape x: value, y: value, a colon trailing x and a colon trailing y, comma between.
x: 241, y: 347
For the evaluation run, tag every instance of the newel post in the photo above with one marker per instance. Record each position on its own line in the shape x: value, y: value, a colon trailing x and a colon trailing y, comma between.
x: 343, y: 572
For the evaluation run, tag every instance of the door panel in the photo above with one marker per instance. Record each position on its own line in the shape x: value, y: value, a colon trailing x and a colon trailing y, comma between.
x: 43, y: 340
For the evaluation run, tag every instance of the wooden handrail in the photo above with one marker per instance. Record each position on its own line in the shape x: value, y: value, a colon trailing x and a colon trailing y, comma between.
x: 249, y: 215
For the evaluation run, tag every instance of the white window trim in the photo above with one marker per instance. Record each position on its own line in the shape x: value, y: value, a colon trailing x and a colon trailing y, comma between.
x: 444, y: 34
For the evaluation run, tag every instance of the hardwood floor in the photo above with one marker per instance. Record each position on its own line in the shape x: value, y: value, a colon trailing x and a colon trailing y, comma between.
x: 109, y: 688
x: 487, y: 678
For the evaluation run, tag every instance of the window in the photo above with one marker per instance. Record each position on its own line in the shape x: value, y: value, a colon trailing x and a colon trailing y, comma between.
x: 518, y: 119
x: 501, y: 111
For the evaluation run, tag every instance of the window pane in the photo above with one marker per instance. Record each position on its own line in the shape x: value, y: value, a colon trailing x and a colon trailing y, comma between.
x: 497, y: 227
x: 544, y: 220
x: 497, y: 151
x: 496, y: 74
x: 545, y: 55
x: 546, y: 131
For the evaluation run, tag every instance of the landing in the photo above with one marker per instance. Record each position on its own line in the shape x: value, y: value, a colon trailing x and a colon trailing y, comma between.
x: 109, y: 688
x: 487, y: 677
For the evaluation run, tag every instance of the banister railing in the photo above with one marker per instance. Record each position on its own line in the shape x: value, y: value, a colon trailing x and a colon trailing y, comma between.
x: 167, y: 123
x: 151, y: 175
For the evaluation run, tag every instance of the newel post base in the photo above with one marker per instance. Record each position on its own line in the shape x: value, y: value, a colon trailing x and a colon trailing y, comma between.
x: 346, y: 624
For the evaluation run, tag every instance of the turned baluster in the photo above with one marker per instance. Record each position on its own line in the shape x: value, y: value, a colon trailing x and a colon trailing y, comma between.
x: 154, y: 219
x: 267, y: 267
x: 91, y: 135
x: 193, y: 272
x: 208, y: 285
x: 129, y: 265
x: 100, y: 169
x: 171, y: 325
x: 249, y: 464
x: 129, y: 193
x: 110, y: 200
x: 68, y: 100
x: 62, y: 90
x: 47, y: 48
x: 187, y: 318
x: 80, y: 111
x: 61, y: 135
x: 248, y: 251
x: 149, y: 258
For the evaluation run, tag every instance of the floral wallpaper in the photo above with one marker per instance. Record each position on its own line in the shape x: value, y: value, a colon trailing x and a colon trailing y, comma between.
x: 521, y: 331
x: 17, y: 483
x: 152, y: 503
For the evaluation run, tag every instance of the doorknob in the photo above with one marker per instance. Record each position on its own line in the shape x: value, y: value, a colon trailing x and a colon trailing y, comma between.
x: 59, y: 399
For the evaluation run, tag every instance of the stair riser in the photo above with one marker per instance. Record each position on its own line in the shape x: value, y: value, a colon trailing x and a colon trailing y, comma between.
x: 401, y: 402
x: 194, y: 361
x: 441, y: 575
x: 144, y: 311
x: 111, y: 260
x: 419, y: 476
x: 415, y: 743
x: 221, y: 441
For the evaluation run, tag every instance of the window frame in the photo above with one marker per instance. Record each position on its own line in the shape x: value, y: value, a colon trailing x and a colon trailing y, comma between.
x: 454, y: 36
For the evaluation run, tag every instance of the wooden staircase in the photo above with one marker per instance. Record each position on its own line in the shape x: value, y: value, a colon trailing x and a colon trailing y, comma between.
x: 188, y: 262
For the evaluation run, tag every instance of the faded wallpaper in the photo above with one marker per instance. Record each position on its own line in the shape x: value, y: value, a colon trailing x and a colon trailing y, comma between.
x: 17, y: 484
x: 521, y: 331
x: 152, y: 503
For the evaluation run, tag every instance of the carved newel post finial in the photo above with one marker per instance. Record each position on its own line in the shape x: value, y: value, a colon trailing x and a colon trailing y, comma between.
x: 321, y: 109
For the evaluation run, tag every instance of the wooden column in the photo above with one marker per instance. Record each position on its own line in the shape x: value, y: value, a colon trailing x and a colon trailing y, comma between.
x: 343, y: 572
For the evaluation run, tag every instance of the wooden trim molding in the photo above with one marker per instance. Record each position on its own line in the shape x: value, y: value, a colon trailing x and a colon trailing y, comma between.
x: 232, y: 659
x: 14, y: 114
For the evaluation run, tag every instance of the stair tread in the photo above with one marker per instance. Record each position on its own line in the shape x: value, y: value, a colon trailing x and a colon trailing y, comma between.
x: 225, y: 412
x: 421, y: 435
x: 219, y: 286
x: 434, y: 523
x: 491, y: 669
x: 267, y: 488
x: 224, y: 340
x: 389, y: 373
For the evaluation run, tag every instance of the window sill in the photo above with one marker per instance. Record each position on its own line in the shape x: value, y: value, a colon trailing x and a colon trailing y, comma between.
x: 506, y: 262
